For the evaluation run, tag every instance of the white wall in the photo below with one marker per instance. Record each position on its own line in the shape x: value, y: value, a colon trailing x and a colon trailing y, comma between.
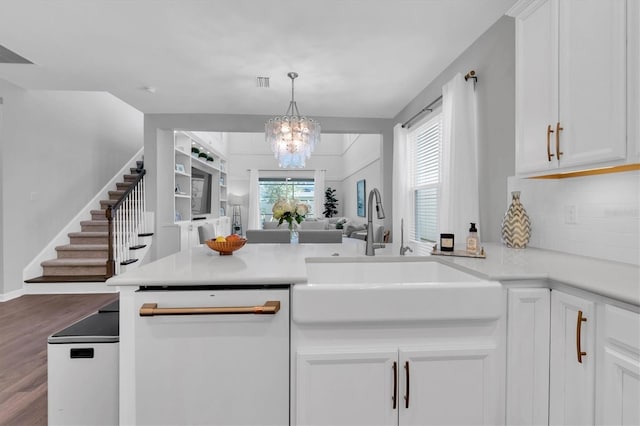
x: 607, y: 217
x: 59, y: 149
x: 361, y: 160
x: 346, y: 159
x: 156, y: 124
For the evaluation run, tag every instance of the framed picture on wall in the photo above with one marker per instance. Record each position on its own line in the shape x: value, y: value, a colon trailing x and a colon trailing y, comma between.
x: 360, y: 195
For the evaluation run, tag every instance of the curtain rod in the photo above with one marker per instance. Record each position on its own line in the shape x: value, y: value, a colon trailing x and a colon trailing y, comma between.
x: 423, y: 110
x: 471, y: 74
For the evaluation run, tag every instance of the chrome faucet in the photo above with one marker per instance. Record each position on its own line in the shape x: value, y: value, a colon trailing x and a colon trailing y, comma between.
x: 371, y: 246
x: 403, y: 249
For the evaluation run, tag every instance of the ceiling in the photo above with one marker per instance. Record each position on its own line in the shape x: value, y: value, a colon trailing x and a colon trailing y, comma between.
x: 356, y: 58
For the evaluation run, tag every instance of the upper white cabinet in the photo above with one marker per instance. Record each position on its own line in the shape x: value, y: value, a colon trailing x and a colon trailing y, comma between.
x: 571, y: 83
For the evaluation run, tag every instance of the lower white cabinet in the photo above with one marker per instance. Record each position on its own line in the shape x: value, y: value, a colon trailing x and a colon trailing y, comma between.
x: 618, y: 367
x: 447, y: 384
x: 577, y: 355
x: 572, y: 360
x: 528, y: 356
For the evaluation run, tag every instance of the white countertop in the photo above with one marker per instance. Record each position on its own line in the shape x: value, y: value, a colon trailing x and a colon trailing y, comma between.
x: 285, y: 264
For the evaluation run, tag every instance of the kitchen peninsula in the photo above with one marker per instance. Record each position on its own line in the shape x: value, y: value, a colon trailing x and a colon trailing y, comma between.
x: 612, y: 290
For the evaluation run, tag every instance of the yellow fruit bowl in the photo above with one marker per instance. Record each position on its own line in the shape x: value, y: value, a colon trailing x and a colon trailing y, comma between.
x: 227, y: 247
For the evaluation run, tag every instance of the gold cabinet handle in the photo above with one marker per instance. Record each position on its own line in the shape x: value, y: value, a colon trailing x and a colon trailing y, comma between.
x: 151, y: 309
x: 581, y: 319
x: 549, y: 131
x: 406, y: 396
x: 558, y: 152
x: 394, y: 398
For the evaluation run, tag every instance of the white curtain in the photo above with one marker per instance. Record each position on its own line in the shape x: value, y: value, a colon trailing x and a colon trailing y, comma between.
x: 318, y: 204
x: 459, y: 203
x: 401, y: 202
x: 254, y: 201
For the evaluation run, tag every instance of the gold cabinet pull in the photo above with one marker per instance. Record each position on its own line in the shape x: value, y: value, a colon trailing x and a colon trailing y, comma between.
x: 394, y: 398
x: 558, y: 152
x: 581, y: 319
x: 406, y: 396
x: 269, y: 308
x: 549, y: 131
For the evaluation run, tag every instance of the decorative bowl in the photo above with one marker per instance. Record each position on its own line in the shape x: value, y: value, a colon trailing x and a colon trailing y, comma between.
x: 228, y: 247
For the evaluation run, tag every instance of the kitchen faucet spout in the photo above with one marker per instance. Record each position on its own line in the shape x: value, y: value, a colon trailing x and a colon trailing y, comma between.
x: 371, y: 246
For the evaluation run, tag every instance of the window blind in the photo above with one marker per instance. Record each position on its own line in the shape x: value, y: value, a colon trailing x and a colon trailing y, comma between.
x: 426, y: 148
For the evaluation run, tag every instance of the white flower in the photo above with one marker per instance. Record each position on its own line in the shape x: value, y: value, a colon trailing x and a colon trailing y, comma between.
x: 302, y: 209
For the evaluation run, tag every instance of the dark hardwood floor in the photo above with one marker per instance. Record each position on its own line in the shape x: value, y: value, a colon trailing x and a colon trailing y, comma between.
x: 25, y: 324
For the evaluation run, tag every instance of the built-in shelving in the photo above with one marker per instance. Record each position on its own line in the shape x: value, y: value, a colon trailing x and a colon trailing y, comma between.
x: 184, y: 161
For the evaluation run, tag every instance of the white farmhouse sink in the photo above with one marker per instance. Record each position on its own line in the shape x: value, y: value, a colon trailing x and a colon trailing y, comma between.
x: 392, y: 289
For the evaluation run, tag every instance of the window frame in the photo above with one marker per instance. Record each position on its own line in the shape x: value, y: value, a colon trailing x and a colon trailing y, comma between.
x: 424, y: 245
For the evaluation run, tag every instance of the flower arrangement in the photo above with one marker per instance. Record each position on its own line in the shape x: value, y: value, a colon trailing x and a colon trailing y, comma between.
x: 285, y: 210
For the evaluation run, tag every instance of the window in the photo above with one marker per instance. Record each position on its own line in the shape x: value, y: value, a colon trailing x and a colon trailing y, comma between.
x: 425, y: 152
x: 273, y: 188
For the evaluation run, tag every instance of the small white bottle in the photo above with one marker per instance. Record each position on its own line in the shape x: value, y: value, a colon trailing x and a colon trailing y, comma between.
x: 472, y: 240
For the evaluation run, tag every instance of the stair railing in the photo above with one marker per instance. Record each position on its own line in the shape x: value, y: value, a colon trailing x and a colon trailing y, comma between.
x: 126, y: 220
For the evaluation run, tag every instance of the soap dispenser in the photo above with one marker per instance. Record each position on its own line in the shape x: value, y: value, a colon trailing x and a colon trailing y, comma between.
x: 472, y: 240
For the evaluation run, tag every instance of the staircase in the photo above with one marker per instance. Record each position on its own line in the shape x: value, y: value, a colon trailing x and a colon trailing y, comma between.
x: 86, y: 256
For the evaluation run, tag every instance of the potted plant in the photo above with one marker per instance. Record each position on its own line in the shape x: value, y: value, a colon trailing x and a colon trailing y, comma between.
x: 202, y: 155
x: 209, y: 158
x: 330, y: 203
x: 195, y: 151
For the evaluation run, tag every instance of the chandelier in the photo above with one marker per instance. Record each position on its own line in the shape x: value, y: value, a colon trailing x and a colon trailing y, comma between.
x: 292, y: 137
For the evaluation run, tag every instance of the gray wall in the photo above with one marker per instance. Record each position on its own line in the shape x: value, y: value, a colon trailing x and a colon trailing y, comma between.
x: 492, y: 56
x: 59, y: 148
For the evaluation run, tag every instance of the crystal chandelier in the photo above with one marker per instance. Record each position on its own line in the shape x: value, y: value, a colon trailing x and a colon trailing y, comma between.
x: 292, y: 137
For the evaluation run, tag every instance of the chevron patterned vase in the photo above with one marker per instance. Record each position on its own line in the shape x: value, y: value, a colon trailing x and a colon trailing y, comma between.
x: 516, y: 226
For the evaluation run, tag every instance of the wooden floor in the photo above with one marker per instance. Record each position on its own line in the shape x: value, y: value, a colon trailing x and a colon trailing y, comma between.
x: 25, y: 324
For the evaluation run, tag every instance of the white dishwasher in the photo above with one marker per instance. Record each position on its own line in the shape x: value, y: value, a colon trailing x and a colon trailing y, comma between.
x: 212, y: 355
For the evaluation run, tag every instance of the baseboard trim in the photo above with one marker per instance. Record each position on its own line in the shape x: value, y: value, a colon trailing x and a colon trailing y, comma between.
x: 5, y: 297
x: 68, y: 288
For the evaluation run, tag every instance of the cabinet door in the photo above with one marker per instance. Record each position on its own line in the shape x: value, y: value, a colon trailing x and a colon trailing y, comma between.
x: 528, y: 356
x: 342, y: 387
x: 619, y: 369
x: 572, y: 367
x: 592, y: 81
x: 536, y: 85
x: 458, y: 385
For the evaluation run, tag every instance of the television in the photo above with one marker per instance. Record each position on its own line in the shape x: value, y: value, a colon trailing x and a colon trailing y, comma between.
x: 200, y: 192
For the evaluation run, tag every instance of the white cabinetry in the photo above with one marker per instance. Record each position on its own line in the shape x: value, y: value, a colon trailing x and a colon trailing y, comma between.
x: 618, y: 366
x: 572, y: 360
x: 347, y: 387
x: 578, y: 355
x: 403, y: 385
x: 571, y: 99
x: 528, y: 356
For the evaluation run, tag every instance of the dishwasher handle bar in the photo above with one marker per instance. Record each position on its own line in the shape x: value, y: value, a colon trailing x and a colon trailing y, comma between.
x: 269, y: 308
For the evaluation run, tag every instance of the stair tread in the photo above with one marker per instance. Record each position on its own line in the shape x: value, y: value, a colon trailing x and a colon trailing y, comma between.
x: 89, y: 234
x: 75, y: 262
x: 67, y: 279
x: 94, y: 222
x: 83, y: 247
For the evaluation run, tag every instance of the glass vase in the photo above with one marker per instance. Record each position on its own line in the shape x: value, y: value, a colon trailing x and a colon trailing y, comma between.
x: 293, y: 233
x: 516, y: 226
